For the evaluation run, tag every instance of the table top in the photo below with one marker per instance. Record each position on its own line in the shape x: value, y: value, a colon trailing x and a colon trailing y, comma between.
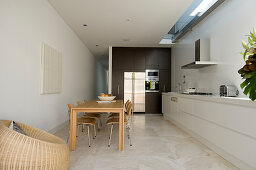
x: 93, y: 104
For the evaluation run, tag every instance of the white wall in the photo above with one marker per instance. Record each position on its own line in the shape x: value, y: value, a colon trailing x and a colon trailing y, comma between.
x: 225, y: 27
x: 24, y: 25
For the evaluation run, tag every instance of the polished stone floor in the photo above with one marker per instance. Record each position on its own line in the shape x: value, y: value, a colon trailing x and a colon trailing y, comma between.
x: 157, y: 145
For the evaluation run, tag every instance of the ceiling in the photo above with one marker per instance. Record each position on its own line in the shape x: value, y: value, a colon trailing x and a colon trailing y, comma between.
x: 127, y: 23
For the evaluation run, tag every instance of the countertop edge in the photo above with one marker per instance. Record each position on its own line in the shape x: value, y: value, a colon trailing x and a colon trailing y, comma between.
x: 217, y: 99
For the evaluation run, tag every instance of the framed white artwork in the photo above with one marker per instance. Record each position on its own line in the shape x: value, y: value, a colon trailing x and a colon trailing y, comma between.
x: 51, y: 70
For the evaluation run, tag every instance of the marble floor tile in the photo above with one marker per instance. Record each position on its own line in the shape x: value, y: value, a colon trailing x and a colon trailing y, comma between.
x: 157, y: 144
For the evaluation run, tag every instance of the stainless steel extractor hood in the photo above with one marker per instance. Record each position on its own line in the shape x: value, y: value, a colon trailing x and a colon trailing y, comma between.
x: 202, y: 55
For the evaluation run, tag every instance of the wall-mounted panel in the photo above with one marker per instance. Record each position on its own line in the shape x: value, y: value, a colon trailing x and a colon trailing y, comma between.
x: 51, y: 70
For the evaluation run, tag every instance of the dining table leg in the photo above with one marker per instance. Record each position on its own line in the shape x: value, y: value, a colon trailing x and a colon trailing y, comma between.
x: 121, y: 130
x: 73, y: 117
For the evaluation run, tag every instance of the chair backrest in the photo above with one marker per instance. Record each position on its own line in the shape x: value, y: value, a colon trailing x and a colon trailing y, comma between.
x: 69, y: 107
x: 129, y: 109
x: 126, y: 104
x: 79, y: 102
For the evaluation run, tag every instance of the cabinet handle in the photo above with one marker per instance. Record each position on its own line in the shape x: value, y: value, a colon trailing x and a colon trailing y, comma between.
x: 118, y: 89
x: 174, y: 99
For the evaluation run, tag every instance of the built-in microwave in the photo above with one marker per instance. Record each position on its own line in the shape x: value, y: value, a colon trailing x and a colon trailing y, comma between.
x: 152, y: 81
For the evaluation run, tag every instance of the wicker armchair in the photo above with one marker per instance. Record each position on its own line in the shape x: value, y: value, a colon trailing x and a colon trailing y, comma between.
x: 38, y: 150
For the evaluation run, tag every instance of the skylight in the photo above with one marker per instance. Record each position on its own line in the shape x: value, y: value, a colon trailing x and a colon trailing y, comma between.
x: 202, y: 7
x: 167, y: 39
x: 198, y: 10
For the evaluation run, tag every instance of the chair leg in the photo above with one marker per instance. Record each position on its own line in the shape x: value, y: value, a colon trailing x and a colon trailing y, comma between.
x: 94, y: 127
x: 132, y: 116
x: 68, y: 136
x: 76, y: 130
x: 127, y: 130
x: 111, y: 129
x: 82, y: 127
x: 98, y: 122
x: 129, y: 136
x: 68, y: 130
x: 89, y: 140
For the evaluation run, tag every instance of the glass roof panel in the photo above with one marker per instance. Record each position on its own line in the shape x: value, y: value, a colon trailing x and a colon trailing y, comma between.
x: 191, y: 15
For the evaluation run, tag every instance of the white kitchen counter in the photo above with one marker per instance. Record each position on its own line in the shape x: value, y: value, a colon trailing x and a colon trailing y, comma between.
x: 225, y: 124
x: 217, y: 99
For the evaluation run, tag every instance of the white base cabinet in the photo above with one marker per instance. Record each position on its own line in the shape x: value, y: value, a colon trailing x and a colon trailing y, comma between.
x: 228, y: 129
x: 170, y: 107
x: 166, y: 101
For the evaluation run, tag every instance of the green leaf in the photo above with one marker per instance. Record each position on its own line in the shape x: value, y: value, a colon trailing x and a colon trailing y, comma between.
x: 245, y: 45
x: 245, y: 54
x: 247, y: 90
x: 254, y: 31
x: 247, y: 81
x: 253, y: 37
x: 250, y: 41
x: 247, y: 76
x: 249, y: 86
x: 240, y: 71
x: 252, y: 93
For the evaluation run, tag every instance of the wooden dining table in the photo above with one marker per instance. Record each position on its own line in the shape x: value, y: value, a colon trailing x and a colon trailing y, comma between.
x: 116, y: 106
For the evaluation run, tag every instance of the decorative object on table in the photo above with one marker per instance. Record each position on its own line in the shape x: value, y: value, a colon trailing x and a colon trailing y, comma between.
x: 37, y: 150
x: 107, y: 101
x: 106, y: 97
x: 248, y: 72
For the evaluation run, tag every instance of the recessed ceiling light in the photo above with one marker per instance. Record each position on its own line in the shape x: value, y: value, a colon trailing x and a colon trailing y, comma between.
x: 126, y: 39
x: 85, y: 25
x: 128, y: 20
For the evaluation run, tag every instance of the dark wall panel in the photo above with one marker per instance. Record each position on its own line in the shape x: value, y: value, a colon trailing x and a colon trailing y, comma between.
x: 140, y: 59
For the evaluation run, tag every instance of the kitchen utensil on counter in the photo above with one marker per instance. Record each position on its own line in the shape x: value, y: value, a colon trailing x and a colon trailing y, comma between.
x: 228, y: 91
x: 191, y: 90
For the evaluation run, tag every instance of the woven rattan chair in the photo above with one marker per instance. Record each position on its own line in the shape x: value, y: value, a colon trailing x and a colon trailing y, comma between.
x: 37, y: 151
x: 115, y: 120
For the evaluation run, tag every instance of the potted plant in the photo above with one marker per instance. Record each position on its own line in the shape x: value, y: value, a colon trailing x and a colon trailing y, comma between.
x: 248, y: 71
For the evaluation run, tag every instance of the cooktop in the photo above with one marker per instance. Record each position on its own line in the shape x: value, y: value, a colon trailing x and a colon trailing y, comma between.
x: 197, y: 93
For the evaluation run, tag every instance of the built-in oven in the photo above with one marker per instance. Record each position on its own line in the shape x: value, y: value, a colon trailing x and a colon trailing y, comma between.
x: 152, y: 81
